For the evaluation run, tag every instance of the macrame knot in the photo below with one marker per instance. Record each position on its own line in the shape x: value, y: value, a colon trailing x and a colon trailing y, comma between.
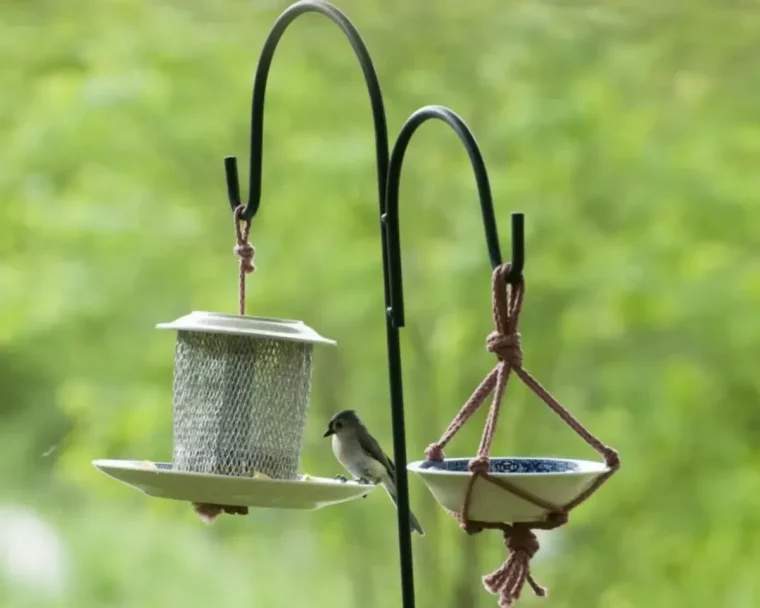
x: 245, y: 253
x: 506, y: 347
x: 434, y: 452
x: 521, y: 538
x: 555, y: 519
x: 611, y: 459
x: 480, y: 465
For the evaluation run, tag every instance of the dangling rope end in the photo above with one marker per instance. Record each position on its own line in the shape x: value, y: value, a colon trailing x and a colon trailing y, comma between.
x: 538, y: 590
x: 495, y: 581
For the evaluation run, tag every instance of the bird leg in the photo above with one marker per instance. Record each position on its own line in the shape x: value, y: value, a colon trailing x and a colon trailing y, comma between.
x: 364, y: 481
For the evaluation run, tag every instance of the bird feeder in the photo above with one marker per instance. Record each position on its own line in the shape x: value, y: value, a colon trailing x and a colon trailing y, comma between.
x: 241, y: 394
x: 242, y: 383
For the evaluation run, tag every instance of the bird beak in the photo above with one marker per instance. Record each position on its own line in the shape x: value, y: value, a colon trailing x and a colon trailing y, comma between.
x: 328, y: 432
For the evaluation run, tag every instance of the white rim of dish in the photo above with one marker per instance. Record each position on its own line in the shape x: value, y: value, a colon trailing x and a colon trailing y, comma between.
x: 225, y: 323
x: 586, y: 467
x: 138, y: 465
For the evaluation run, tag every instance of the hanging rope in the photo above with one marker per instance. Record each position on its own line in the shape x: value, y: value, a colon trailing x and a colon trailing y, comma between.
x: 245, y: 253
x: 508, y: 581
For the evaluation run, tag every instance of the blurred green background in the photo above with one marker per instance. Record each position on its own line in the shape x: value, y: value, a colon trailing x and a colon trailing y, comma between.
x: 627, y: 132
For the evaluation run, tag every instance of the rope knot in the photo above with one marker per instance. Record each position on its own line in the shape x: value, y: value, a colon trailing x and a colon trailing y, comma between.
x: 506, y: 347
x: 434, y: 452
x: 555, y: 519
x: 521, y: 538
x: 480, y: 465
x: 245, y: 253
x: 612, y: 459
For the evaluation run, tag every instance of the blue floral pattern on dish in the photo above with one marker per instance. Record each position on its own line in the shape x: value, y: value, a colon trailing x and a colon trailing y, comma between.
x: 507, y: 465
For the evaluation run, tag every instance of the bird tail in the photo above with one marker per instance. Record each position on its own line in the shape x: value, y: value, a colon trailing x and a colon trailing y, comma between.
x: 390, y: 488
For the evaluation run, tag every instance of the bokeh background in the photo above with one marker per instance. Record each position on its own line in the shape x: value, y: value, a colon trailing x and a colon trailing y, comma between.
x: 628, y: 133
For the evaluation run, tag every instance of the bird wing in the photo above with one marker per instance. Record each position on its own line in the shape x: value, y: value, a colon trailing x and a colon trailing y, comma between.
x: 372, y: 448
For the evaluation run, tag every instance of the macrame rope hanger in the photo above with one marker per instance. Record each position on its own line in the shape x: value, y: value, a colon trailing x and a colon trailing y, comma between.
x: 508, y: 581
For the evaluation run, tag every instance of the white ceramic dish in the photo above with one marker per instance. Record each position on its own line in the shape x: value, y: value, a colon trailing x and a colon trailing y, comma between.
x: 555, y: 480
x: 159, y: 480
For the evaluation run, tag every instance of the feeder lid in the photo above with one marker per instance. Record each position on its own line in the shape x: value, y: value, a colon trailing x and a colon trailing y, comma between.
x: 218, y: 323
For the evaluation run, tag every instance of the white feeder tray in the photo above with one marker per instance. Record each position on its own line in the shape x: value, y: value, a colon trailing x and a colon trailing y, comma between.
x: 555, y: 480
x: 159, y: 480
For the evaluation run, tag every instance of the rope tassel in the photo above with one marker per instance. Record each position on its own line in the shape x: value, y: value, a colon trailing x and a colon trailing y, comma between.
x: 508, y: 581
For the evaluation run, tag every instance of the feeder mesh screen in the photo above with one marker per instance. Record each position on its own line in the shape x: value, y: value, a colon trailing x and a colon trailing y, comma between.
x: 240, y: 404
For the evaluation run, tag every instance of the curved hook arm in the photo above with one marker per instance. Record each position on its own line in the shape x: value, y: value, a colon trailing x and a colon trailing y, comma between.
x: 484, y: 191
x: 257, y: 107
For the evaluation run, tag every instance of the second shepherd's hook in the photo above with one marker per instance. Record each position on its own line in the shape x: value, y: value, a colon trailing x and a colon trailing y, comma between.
x: 391, y: 217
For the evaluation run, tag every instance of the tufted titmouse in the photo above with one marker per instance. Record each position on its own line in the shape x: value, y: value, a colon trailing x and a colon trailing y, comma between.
x: 362, y: 456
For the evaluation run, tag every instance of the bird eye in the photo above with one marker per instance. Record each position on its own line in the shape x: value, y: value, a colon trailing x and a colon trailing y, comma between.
x: 337, y: 425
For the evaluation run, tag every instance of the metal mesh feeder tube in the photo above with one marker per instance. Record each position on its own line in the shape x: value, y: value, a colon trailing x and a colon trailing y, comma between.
x: 241, y: 394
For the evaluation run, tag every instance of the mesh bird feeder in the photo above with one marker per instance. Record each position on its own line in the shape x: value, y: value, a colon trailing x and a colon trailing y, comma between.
x: 241, y: 386
x: 241, y: 394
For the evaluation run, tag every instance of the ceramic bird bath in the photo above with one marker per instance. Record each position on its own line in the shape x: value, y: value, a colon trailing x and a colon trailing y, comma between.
x: 553, y: 480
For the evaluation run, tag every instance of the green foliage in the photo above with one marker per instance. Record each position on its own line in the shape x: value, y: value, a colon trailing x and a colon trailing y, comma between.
x: 626, y: 132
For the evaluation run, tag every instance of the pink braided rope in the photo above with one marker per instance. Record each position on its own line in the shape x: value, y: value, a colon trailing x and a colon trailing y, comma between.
x: 245, y: 253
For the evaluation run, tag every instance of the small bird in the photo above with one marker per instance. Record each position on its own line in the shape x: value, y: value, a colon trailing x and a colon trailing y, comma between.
x: 358, y: 451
